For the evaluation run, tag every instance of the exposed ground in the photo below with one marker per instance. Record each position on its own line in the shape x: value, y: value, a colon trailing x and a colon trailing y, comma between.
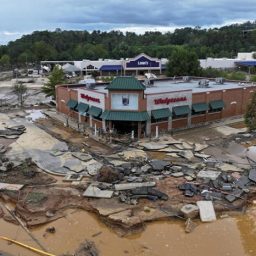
x: 46, y: 197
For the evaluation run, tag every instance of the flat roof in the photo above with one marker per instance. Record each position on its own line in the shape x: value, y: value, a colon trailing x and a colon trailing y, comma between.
x: 168, y: 86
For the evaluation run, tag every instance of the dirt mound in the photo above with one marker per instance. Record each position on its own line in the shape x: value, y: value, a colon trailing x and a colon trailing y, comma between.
x: 108, y: 174
x: 87, y: 248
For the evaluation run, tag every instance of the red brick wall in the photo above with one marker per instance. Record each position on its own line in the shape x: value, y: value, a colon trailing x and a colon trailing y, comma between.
x: 63, y: 95
x: 179, y: 123
x: 97, y: 122
x: 198, y: 119
x: 239, y: 97
x: 213, y: 116
x: 199, y: 97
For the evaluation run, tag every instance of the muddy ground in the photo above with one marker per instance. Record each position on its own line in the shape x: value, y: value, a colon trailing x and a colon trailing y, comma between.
x: 45, y: 199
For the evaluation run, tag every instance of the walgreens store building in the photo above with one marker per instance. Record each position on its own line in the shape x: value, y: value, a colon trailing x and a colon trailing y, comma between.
x: 127, y: 104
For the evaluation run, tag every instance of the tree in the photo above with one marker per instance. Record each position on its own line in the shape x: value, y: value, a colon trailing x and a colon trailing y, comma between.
x: 5, y: 61
x: 183, y: 62
x: 250, y: 115
x: 56, y: 77
x: 44, y: 51
x: 20, y: 89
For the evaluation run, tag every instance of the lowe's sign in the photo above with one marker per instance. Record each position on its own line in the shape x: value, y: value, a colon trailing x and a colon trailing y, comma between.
x: 142, y: 62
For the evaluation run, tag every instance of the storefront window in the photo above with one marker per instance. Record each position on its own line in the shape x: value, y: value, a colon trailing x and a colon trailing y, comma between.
x: 179, y: 116
x: 198, y: 113
x: 125, y: 100
x: 97, y: 118
x: 215, y: 110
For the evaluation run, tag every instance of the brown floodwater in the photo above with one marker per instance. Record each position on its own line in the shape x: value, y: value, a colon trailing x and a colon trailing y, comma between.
x: 231, y: 236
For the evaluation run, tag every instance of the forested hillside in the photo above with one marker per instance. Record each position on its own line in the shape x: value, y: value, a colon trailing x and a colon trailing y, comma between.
x: 77, y: 45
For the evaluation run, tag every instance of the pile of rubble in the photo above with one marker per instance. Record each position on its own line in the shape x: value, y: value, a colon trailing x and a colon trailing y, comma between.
x: 12, y: 132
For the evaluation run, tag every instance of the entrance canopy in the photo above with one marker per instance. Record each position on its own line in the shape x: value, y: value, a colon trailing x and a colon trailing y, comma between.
x: 125, y: 116
x: 111, y: 68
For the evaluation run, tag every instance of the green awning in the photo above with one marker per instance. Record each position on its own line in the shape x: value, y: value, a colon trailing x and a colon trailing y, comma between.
x: 125, y: 116
x: 72, y: 104
x: 94, y: 111
x: 126, y: 83
x: 82, y: 108
x: 161, y: 113
x: 181, y: 110
x: 217, y: 104
x: 200, y: 107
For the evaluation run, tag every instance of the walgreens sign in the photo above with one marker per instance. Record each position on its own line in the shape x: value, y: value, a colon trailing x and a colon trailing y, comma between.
x: 168, y: 101
x: 89, y: 98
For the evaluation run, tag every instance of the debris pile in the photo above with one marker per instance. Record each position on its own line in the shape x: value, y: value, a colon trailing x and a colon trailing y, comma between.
x: 12, y: 132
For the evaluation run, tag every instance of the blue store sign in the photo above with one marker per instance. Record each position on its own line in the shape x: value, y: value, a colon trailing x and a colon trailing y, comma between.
x: 143, y: 62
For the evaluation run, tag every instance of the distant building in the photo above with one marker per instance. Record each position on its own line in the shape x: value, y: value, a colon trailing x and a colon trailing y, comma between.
x: 245, y: 59
x: 218, y: 63
x: 143, y: 63
x: 138, y: 65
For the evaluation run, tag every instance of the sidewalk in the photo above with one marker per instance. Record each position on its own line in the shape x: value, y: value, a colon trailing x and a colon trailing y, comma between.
x: 72, y: 123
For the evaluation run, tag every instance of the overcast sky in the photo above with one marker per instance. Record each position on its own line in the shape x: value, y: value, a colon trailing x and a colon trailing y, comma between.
x: 18, y: 17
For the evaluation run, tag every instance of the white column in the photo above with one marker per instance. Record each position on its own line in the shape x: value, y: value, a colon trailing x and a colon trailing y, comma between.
x: 95, y: 129
x: 132, y: 136
x: 169, y: 123
x: 189, y: 117
x: 157, y: 132
x: 90, y: 119
x: 104, y: 125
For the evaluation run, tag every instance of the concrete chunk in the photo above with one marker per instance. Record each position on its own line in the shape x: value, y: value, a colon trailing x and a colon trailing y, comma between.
x: 212, y: 175
x: 127, y: 186
x: 82, y: 156
x: 252, y: 175
x: 93, y: 191
x: 12, y: 187
x: 187, y: 154
x: 200, y: 147
x: 189, y: 211
x: 206, y: 211
x: 158, y: 165
x: 202, y: 155
x: 228, y: 167
x: 153, y: 145
x: 73, y: 177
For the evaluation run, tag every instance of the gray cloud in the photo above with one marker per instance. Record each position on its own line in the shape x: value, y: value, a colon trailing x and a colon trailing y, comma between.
x: 28, y: 15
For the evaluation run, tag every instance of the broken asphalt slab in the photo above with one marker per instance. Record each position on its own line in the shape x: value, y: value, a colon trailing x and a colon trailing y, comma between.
x: 128, y: 186
x: 158, y: 165
x: 153, y: 146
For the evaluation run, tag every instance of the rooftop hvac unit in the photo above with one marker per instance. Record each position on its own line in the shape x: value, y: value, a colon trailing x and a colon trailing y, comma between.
x: 219, y: 80
x: 148, y: 82
x: 203, y: 83
x: 90, y: 86
x: 186, y: 78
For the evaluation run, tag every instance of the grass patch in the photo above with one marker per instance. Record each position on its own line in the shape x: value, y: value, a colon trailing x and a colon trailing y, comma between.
x: 36, y: 197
